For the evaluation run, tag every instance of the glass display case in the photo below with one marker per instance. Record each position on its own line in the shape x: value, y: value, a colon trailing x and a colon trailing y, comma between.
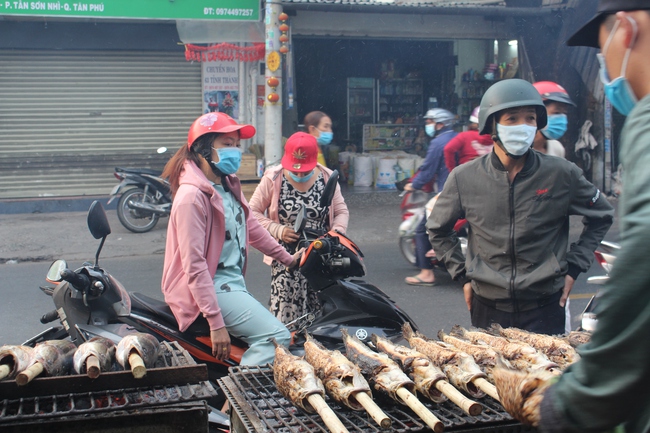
x: 361, y: 106
x: 392, y: 137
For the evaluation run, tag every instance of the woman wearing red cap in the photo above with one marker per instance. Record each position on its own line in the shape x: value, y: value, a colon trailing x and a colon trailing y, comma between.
x: 283, y: 190
x: 209, y: 231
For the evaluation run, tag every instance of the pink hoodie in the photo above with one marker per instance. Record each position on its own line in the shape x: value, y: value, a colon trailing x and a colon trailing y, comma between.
x: 195, y: 236
x: 266, y: 199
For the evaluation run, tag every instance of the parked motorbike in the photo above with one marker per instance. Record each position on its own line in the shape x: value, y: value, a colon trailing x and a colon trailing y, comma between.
x: 145, y: 197
x: 90, y: 302
x: 605, y: 256
x: 415, y: 206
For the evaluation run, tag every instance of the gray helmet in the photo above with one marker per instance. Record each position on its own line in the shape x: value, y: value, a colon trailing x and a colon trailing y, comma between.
x: 509, y: 94
x: 440, y: 115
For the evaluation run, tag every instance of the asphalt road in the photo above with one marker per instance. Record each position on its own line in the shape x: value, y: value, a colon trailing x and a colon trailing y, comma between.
x: 32, y: 241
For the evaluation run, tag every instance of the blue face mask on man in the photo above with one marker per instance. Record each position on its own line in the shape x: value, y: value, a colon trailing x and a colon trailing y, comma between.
x: 430, y: 129
x: 324, y: 138
x: 618, y: 91
x: 229, y: 159
x: 555, y: 127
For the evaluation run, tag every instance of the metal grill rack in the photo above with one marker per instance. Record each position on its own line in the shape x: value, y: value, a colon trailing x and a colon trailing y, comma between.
x: 258, y: 406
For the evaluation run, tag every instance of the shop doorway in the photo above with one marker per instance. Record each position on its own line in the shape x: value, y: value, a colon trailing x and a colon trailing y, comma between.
x: 323, y: 66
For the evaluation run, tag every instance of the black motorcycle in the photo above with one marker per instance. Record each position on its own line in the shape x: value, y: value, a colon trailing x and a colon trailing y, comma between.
x: 145, y: 198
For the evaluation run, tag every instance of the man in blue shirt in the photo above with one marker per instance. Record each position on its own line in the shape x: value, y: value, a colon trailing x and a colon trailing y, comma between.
x: 438, y: 125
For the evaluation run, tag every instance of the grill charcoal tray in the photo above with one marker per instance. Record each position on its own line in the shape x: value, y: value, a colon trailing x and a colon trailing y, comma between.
x: 260, y: 407
x: 175, y: 378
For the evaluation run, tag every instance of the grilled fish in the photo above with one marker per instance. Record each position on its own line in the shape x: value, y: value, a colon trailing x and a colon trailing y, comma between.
x: 416, y: 365
x: 295, y: 378
x: 143, y: 344
x: 557, y: 350
x: 521, y: 393
x: 13, y: 360
x: 55, y: 356
x: 521, y: 356
x: 460, y: 368
x: 101, y: 348
x: 383, y: 373
x: 577, y: 338
x: 341, y: 377
x: 483, y: 355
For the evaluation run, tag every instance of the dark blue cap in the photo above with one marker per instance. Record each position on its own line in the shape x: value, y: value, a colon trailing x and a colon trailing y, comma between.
x: 588, y: 34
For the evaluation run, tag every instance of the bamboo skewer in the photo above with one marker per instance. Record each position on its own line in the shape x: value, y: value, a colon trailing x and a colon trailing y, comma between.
x: 4, y: 371
x: 373, y: 410
x: 26, y: 376
x: 137, y: 365
x: 470, y: 407
x: 487, y: 388
x: 93, y: 369
x: 421, y: 410
x: 330, y: 419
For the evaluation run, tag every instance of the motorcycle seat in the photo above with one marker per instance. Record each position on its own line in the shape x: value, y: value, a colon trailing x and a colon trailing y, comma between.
x: 158, y: 308
x: 138, y: 171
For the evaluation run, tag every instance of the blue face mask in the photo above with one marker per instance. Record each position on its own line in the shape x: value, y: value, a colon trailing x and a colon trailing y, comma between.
x: 300, y: 179
x: 229, y: 159
x: 555, y: 127
x: 430, y: 130
x: 324, y: 138
x: 618, y: 91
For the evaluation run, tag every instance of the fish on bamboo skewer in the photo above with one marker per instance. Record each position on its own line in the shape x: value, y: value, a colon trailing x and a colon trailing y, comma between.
x: 296, y: 379
x: 557, y: 350
x: 429, y: 379
x: 483, y: 355
x: 386, y: 376
x: 343, y: 380
x: 137, y: 352
x: 521, y: 356
x: 460, y: 368
x: 577, y: 338
x: 52, y: 357
x: 94, y: 356
x: 13, y: 360
x: 522, y: 392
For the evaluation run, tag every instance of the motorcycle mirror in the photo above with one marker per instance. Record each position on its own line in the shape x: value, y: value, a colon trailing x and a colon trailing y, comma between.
x: 301, y: 220
x: 161, y: 150
x: 54, y: 273
x: 98, y: 226
x: 97, y: 221
x: 330, y: 189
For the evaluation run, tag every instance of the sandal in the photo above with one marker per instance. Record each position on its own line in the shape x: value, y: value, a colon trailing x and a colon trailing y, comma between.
x: 419, y: 282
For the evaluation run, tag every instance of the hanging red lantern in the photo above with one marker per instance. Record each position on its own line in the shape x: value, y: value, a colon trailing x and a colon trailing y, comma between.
x: 273, y: 82
x: 283, y: 49
x: 284, y: 38
x: 283, y: 17
x: 284, y: 27
x: 273, y: 97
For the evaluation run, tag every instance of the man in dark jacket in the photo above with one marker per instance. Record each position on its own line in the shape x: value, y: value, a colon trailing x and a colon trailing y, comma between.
x: 439, y: 125
x: 517, y: 203
x: 609, y: 386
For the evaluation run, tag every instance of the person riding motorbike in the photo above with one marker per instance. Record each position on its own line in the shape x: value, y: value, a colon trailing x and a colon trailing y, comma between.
x: 299, y: 182
x: 209, y: 231
x: 467, y: 145
x: 557, y: 102
x: 438, y: 125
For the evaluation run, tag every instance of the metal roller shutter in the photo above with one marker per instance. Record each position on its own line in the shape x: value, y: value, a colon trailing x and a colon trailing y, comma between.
x: 68, y: 118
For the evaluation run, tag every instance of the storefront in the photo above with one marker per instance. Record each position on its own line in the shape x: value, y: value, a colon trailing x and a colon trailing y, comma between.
x: 82, y: 92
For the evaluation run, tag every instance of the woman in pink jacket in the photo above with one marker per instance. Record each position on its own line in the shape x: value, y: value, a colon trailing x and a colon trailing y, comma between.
x: 283, y: 190
x: 209, y: 230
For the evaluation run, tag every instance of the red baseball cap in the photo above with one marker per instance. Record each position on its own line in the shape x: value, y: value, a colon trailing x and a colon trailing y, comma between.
x: 220, y: 123
x: 300, y: 153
